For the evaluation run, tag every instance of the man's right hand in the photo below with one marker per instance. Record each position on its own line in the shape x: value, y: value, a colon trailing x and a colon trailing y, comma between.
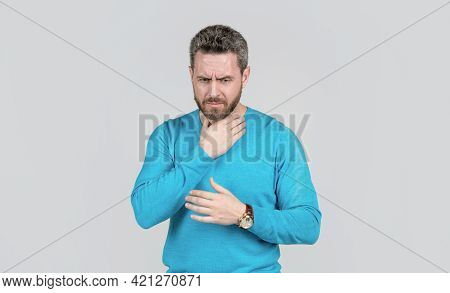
x: 220, y: 136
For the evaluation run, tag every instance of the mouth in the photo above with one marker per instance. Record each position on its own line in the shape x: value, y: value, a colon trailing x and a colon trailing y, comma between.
x: 214, y: 104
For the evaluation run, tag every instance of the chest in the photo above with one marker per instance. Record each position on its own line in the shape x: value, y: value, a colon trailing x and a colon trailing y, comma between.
x: 245, y: 171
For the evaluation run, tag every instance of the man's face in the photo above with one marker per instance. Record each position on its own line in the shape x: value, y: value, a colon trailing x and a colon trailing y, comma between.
x: 217, y: 83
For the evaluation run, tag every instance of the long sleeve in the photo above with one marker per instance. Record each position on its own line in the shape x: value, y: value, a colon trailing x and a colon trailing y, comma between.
x: 163, y: 182
x: 298, y: 219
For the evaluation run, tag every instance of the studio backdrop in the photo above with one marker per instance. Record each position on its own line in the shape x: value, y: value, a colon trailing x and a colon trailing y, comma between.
x: 363, y: 84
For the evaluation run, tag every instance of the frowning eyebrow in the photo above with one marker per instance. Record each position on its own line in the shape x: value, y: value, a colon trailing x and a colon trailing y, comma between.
x: 201, y: 76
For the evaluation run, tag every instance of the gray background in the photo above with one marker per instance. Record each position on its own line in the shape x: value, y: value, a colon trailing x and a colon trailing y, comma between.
x: 76, y: 75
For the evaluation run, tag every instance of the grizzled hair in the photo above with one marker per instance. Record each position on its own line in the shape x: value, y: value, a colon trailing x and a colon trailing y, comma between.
x: 217, y: 39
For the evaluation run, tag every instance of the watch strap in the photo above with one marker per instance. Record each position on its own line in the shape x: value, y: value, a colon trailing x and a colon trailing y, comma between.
x: 248, y: 212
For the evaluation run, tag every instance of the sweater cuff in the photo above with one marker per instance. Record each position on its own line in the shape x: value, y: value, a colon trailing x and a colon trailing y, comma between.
x: 260, y: 221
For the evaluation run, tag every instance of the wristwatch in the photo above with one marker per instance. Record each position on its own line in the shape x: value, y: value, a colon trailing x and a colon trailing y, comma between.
x: 246, y: 220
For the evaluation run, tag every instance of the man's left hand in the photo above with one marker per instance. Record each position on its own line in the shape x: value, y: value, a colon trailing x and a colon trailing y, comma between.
x: 221, y: 208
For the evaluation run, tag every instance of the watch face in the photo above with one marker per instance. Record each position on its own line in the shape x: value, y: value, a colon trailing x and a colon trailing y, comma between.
x: 246, y: 222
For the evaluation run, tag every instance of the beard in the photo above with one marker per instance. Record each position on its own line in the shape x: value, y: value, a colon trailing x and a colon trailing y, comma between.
x: 216, y: 114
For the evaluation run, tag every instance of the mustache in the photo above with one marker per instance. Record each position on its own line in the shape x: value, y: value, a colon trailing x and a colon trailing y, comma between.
x: 214, y: 100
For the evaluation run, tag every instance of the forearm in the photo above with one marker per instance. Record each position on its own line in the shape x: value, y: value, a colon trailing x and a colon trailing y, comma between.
x: 300, y: 225
x: 156, y: 199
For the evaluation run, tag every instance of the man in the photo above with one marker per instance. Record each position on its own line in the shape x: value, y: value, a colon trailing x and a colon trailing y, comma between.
x: 233, y: 181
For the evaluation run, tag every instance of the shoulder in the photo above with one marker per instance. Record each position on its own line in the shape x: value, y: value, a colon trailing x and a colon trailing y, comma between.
x: 273, y: 125
x: 260, y: 118
x: 287, y: 145
x: 186, y: 121
x: 283, y: 141
x: 171, y: 127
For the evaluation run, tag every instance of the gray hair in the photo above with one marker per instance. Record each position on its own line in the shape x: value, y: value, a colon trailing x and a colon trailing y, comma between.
x: 217, y: 39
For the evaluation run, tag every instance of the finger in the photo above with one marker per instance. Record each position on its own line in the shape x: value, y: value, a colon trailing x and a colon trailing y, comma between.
x: 205, y: 123
x: 208, y: 219
x: 238, y: 128
x: 230, y: 118
x: 202, y: 193
x: 218, y: 187
x: 238, y: 135
x: 236, y: 122
x: 199, y: 201
x: 198, y: 209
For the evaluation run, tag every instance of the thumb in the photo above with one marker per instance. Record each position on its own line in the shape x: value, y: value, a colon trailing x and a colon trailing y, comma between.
x: 218, y: 188
x: 205, y: 123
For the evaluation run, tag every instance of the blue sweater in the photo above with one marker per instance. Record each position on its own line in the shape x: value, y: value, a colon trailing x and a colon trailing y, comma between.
x: 266, y: 168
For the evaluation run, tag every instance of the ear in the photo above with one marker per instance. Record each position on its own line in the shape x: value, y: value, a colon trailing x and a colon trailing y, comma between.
x: 191, y: 72
x: 245, y: 76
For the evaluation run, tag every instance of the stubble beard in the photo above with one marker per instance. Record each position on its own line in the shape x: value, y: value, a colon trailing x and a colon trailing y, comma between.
x: 216, y: 114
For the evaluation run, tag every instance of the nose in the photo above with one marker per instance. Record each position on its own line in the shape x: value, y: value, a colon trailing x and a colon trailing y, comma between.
x: 213, y: 89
